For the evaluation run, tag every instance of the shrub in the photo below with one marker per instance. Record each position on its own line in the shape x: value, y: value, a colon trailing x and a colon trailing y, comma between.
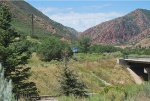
x: 5, y: 88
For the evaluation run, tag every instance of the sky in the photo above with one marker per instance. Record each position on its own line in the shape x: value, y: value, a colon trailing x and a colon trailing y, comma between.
x: 83, y: 14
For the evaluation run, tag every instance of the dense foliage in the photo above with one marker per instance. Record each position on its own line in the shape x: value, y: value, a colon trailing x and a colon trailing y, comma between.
x: 103, y: 49
x: 52, y: 49
x: 84, y: 44
x: 14, y: 53
x: 138, y: 51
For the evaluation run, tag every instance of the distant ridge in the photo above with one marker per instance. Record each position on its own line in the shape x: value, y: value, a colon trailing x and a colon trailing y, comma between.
x: 129, y: 28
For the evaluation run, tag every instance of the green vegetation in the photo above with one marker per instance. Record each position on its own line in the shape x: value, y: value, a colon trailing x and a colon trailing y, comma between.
x: 146, y: 12
x: 84, y: 44
x: 69, y: 81
x: 103, y: 49
x: 5, y: 88
x: 97, y: 56
x: 24, y: 28
x: 137, y: 51
x: 103, y: 77
x: 96, y: 71
x: 52, y: 49
x: 85, y: 47
x: 118, y: 93
x: 43, y: 26
x: 36, y: 61
x: 14, y: 54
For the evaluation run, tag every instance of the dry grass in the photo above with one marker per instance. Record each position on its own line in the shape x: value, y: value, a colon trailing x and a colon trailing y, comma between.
x: 44, y: 74
x: 92, y: 72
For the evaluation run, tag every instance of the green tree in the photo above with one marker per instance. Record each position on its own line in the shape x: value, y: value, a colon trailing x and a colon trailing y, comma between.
x: 52, y: 48
x: 70, y: 83
x: 84, y: 44
x: 14, y: 54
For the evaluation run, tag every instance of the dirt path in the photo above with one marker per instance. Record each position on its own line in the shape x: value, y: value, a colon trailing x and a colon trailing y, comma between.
x: 103, y: 81
x: 48, y: 99
x: 136, y: 78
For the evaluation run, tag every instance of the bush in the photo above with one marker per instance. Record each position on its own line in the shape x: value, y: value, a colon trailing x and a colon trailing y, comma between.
x: 52, y: 49
x: 5, y: 88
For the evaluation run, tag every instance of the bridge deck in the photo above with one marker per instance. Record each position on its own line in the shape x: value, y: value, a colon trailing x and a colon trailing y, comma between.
x: 139, y: 60
x: 138, y: 65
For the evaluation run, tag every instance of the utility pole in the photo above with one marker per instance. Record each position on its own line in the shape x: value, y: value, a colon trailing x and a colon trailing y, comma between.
x: 32, y: 33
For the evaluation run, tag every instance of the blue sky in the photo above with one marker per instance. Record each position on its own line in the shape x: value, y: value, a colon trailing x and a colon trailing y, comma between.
x: 83, y: 14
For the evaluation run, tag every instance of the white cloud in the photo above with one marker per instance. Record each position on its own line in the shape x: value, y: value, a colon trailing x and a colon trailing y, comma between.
x: 68, y: 16
x: 49, y: 10
x: 83, y: 21
x: 97, y: 6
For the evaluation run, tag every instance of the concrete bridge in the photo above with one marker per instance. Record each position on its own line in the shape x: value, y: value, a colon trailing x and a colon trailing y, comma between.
x: 139, y: 65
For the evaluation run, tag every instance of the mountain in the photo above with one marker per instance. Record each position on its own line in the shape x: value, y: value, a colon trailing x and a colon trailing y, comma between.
x: 132, y: 27
x: 22, y: 18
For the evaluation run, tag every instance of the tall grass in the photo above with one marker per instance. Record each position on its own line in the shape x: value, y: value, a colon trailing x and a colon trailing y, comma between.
x: 118, y: 93
x: 94, y: 73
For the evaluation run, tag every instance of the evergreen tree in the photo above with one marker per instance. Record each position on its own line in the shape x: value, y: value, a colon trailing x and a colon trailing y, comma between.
x: 14, y: 54
x: 70, y: 83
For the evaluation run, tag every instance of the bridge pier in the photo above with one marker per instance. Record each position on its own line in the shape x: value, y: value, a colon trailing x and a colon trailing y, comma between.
x: 148, y: 72
x: 139, y: 70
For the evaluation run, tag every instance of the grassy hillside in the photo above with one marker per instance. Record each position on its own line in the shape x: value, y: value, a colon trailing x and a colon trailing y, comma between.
x: 43, y: 25
x: 96, y: 70
x: 104, y: 78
